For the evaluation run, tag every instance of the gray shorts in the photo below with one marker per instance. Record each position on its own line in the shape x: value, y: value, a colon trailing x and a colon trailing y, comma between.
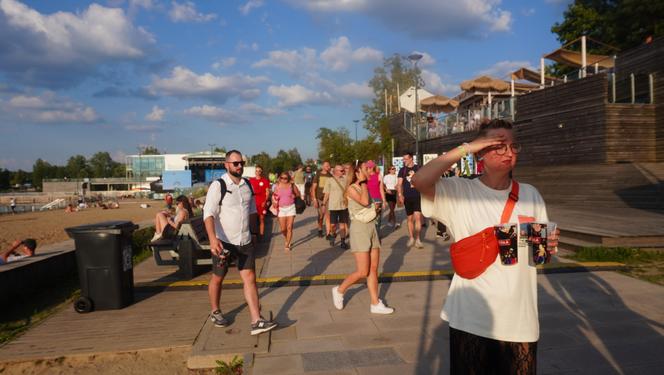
x: 363, y: 237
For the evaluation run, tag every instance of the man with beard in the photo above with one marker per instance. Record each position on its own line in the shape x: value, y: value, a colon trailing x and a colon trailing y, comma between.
x: 230, y: 221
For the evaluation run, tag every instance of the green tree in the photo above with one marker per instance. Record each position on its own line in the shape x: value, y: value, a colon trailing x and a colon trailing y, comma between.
x: 40, y: 171
x: 335, y: 146
x: 5, y: 179
x: 220, y: 150
x: 150, y: 150
x: 19, y: 177
x: 101, y: 165
x: 286, y: 160
x: 77, y: 167
x: 262, y: 159
x: 622, y: 24
x: 119, y: 170
x: 367, y: 149
x: 396, y: 71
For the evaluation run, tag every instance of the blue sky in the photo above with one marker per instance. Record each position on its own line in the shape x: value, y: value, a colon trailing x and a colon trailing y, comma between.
x: 78, y: 77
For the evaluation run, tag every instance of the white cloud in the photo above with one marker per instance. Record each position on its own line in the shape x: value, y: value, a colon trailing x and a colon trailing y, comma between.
x: 253, y: 108
x: 502, y: 68
x: 296, y: 95
x: 355, y: 91
x: 224, y: 63
x: 249, y: 5
x: 434, y: 84
x: 157, y: 114
x: 49, y: 108
x: 214, y: 113
x: 339, y: 54
x: 432, y: 19
x: 61, y: 49
x: 528, y: 12
x: 292, y: 61
x: 143, y: 128
x: 242, y: 46
x: 186, y: 12
x: 185, y: 83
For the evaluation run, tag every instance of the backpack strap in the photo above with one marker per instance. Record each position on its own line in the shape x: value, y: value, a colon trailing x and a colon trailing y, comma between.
x: 511, y: 202
x: 224, y: 188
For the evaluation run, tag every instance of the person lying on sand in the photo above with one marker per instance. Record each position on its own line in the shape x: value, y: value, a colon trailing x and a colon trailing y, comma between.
x: 18, y: 250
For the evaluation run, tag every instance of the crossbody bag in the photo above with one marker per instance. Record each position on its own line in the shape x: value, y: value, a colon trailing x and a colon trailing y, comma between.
x: 472, y: 255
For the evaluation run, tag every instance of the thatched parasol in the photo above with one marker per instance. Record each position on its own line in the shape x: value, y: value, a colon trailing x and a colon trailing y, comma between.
x: 485, y: 84
x: 438, y: 103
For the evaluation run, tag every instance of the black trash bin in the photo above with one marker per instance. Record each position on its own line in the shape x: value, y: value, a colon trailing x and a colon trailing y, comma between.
x: 104, y: 261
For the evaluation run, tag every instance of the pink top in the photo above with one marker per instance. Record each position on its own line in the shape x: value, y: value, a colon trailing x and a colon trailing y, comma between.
x: 285, y: 196
x: 373, y: 184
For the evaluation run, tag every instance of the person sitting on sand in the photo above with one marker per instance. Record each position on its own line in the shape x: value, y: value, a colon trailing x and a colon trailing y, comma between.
x: 166, y: 225
x: 18, y: 250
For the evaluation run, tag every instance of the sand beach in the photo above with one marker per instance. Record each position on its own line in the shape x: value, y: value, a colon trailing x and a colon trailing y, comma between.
x: 48, y: 227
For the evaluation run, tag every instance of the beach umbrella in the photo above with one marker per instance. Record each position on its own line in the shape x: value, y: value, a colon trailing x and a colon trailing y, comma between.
x: 485, y: 84
x: 438, y: 103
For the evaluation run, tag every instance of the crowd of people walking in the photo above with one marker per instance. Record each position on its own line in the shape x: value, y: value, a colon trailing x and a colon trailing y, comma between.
x: 350, y: 200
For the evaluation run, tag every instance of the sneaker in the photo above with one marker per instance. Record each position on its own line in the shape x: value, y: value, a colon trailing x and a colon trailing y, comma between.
x: 262, y: 326
x: 218, y: 319
x: 331, y: 239
x: 157, y: 236
x: 410, y: 243
x: 343, y: 245
x: 418, y: 244
x: 337, y: 298
x: 397, y: 226
x: 445, y: 236
x: 320, y: 233
x: 380, y: 308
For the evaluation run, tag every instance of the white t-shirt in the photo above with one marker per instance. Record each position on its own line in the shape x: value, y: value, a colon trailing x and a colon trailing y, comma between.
x: 390, y: 181
x: 501, y: 303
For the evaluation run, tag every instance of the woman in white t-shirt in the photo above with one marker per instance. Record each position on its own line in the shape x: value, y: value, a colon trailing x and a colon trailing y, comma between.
x: 390, y: 183
x: 493, y: 318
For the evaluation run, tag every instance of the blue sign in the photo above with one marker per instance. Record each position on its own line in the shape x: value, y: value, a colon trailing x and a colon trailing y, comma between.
x: 176, y: 179
x: 214, y: 174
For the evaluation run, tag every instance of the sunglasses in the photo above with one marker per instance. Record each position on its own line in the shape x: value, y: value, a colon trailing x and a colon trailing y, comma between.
x: 237, y: 163
x: 283, y: 178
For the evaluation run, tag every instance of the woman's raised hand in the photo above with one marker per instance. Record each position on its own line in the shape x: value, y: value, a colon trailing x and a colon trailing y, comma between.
x: 481, y: 143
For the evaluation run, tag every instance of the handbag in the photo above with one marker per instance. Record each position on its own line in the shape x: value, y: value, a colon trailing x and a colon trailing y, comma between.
x: 365, y: 214
x: 472, y: 255
x: 300, y: 206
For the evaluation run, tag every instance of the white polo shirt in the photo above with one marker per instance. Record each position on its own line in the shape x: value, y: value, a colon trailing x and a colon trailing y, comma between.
x: 231, y: 219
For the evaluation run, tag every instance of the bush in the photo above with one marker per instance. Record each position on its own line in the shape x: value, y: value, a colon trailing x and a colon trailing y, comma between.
x: 139, y: 243
x: 617, y: 254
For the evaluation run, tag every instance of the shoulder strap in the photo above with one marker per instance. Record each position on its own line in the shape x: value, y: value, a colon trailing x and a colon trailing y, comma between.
x: 338, y: 183
x: 251, y: 188
x: 222, y: 183
x: 511, y: 202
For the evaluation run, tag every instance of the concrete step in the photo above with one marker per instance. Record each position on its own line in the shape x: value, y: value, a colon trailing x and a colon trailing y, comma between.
x: 574, y: 244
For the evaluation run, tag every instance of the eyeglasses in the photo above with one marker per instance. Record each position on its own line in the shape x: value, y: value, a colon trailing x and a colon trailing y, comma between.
x: 283, y: 178
x: 501, y: 149
x: 237, y: 163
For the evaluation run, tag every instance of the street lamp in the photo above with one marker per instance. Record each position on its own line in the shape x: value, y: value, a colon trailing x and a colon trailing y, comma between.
x: 414, y: 58
x: 356, y: 121
x: 211, y: 145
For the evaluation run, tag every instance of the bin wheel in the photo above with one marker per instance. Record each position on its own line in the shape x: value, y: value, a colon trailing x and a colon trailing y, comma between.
x: 83, y: 305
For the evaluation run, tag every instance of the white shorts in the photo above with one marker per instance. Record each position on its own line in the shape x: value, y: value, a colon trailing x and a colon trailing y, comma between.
x: 287, y: 211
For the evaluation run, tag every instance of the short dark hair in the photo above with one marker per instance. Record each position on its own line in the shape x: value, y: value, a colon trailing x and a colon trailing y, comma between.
x: 488, y: 124
x: 30, y: 243
x: 231, y: 152
x: 259, y: 166
x: 408, y: 153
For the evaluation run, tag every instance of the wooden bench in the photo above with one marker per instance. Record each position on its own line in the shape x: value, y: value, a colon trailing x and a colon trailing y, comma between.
x: 189, y: 250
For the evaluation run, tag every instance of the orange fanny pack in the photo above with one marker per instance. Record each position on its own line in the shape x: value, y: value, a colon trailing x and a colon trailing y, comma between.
x: 472, y: 255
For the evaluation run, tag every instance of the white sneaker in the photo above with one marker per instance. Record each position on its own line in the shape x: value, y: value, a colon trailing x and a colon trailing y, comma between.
x: 410, y: 243
x: 380, y: 308
x: 155, y: 237
x: 337, y: 298
x: 418, y: 244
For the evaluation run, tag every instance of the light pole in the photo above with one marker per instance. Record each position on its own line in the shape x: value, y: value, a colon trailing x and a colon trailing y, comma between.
x: 139, y: 162
x: 356, y: 121
x: 211, y: 145
x: 414, y: 58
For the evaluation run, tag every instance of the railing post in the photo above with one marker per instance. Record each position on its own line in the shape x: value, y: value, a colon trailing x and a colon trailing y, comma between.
x: 651, y: 84
x: 613, y: 87
x: 632, y: 87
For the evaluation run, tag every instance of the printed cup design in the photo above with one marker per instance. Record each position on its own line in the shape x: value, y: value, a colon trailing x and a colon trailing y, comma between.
x: 507, y: 243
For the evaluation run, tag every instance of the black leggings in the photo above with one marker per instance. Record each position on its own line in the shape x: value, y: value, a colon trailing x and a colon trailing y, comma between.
x: 471, y: 354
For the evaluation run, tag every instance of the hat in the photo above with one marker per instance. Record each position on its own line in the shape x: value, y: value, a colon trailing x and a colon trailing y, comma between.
x: 29, y: 243
x: 370, y: 164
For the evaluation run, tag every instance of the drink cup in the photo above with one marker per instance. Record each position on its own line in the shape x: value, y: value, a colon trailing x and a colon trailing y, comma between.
x: 537, y: 237
x: 552, y: 238
x: 506, y: 235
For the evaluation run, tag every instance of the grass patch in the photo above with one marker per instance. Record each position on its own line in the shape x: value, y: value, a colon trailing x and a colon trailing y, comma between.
x: 641, y: 264
x: 30, y: 309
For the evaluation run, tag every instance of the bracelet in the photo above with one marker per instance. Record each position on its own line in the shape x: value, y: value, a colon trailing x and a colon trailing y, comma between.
x: 463, y: 149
